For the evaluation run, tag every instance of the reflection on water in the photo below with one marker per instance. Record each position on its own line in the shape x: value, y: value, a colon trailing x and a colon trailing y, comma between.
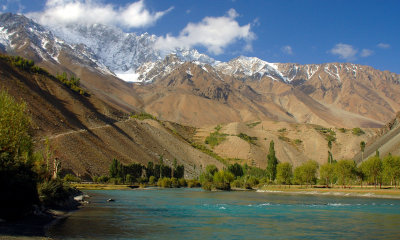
x: 195, y: 214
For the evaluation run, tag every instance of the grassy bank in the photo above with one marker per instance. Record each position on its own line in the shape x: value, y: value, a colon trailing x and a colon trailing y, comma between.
x: 365, y: 191
x: 99, y: 186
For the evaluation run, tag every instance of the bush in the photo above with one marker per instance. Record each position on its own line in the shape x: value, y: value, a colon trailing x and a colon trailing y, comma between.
x: 182, y: 182
x: 152, y: 180
x: 193, y: 183
x: 247, y: 138
x: 71, y: 178
x: 54, y: 193
x: 357, y: 131
x: 164, y: 182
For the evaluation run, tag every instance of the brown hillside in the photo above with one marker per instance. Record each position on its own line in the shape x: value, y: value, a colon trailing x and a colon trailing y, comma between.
x: 86, y: 133
x: 294, y: 143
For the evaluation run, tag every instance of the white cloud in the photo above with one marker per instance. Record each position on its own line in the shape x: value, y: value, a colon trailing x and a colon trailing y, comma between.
x: 366, y: 53
x: 344, y: 51
x: 214, y: 33
x: 384, y: 45
x: 62, y: 12
x: 287, y: 49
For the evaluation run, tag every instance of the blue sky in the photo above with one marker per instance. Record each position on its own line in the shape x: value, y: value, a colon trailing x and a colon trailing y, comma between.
x: 314, y: 31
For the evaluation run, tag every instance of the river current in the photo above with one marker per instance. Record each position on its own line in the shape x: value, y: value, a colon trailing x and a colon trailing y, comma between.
x: 197, y: 214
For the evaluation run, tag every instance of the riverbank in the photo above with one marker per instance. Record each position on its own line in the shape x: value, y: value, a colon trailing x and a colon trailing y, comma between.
x: 353, y: 191
x: 100, y: 186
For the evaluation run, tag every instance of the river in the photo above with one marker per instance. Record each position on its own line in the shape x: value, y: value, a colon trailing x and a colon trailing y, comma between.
x: 197, y: 214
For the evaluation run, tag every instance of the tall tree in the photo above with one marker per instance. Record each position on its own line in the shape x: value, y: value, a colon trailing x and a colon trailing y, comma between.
x: 362, y: 147
x: 236, y: 169
x: 272, y: 162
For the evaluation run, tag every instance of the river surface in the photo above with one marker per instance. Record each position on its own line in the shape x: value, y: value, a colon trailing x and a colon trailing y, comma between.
x: 197, y: 214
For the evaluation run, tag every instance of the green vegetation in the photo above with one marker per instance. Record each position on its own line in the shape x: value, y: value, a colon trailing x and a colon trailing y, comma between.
x: 357, y: 131
x: 152, y: 174
x: 24, y: 64
x: 215, y: 138
x: 328, y: 133
x: 282, y: 130
x: 72, y: 83
x: 342, y: 130
x: 272, y: 162
x: 298, y: 141
x: 247, y: 138
x: 306, y: 173
x: 21, y: 169
x: 251, y: 125
x: 143, y: 116
x: 284, y: 173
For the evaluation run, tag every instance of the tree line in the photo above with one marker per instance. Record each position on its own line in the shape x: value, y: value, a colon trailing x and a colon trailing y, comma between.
x: 138, y: 173
x: 374, y: 171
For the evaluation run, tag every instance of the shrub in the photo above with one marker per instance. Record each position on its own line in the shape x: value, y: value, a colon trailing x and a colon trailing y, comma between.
x: 54, y: 193
x: 193, y: 183
x: 182, y: 182
x: 247, y: 138
x: 152, y: 180
x: 71, y: 178
x: 357, y: 131
x: 143, y: 116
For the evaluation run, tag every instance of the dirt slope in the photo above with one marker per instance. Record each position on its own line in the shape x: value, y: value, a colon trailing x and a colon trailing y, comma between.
x: 86, y: 133
x: 294, y: 143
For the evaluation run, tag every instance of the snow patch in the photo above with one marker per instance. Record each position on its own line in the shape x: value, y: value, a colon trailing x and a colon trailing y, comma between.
x: 129, y: 76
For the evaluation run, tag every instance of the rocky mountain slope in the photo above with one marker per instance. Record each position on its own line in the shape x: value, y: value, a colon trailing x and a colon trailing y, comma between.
x: 85, y: 132
x: 333, y: 94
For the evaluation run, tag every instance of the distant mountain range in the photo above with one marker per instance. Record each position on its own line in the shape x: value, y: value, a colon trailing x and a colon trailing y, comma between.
x: 188, y: 87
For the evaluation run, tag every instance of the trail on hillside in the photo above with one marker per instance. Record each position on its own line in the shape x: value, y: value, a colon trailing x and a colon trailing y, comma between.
x: 55, y: 136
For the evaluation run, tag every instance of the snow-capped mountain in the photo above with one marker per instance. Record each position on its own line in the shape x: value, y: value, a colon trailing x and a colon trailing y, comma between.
x: 124, y: 53
x: 19, y: 34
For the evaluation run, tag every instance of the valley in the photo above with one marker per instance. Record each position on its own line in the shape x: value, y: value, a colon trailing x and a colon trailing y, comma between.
x: 189, y: 94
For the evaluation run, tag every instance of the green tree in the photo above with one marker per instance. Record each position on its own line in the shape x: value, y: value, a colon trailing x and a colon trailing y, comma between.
x: 150, y: 169
x: 327, y: 173
x: 391, y: 169
x: 236, y: 169
x: 306, y: 173
x: 272, y: 162
x: 222, y: 180
x: 362, y: 147
x: 284, y: 173
x: 372, y: 169
x: 345, y: 171
x: 115, y: 168
x: 18, y: 182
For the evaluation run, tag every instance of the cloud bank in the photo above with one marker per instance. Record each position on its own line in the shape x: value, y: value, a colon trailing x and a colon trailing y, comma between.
x: 63, y: 12
x: 213, y: 33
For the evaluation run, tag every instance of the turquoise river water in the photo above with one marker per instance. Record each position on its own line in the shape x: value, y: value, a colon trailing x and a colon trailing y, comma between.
x: 197, y: 214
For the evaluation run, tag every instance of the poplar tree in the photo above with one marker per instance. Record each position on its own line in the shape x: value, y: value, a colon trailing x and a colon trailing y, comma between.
x: 272, y: 162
